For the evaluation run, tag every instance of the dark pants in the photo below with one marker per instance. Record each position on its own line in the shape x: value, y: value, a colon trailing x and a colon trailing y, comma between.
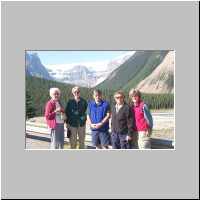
x: 100, y: 138
x: 119, y: 141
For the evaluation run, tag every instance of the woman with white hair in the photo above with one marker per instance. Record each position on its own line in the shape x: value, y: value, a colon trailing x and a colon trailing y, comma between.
x: 55, y: 119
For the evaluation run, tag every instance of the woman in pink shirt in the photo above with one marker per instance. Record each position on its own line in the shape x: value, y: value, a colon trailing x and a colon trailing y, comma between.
x: 143, y: 120
x: 54, y: 113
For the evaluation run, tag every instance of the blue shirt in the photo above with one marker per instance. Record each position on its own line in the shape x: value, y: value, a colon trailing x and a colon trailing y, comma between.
x: 97, y: 112
x: 148, y: 116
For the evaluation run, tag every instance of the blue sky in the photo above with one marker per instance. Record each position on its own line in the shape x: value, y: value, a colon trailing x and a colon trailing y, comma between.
x: 60, y: 57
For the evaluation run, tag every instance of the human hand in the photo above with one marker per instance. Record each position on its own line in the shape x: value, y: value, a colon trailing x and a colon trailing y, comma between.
x: 93, y: 125
x: 128, y: 137
x: 62, y: 110
x: 149, y: 132
x: 57, y: 110
x: 98, y: 125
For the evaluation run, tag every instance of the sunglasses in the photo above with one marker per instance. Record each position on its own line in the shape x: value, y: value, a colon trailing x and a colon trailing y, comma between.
x: 77, y: 92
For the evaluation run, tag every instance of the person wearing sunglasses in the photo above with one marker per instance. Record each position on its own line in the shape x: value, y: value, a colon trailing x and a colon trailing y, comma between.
x: 121, y: 123
x: 75, y: 111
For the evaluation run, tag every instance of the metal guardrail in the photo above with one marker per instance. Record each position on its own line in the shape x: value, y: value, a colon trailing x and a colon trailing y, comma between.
x: 162, y: 143
x: 155, y: 142
x: 39, y: 131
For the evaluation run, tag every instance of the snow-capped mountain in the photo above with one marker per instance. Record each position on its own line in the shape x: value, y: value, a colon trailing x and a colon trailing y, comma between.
x: 115, y: 63
x: 34, y: 67
x: 88, y: 74
x: 79, y: 75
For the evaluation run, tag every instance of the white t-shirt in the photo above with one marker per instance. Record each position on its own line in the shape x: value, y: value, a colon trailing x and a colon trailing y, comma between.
x: 58, y: 115
x: 118, y: 107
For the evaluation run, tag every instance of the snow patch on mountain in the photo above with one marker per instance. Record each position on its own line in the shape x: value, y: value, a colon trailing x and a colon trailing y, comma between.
x: 88, y: 74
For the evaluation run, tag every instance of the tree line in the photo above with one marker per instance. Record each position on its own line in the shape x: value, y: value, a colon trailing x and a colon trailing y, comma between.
x: 37, y: 94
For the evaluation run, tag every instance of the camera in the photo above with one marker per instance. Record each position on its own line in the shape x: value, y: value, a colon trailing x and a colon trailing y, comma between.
x: 68, y: 133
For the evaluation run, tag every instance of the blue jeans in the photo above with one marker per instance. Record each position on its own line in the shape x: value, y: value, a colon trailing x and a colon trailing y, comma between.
x: 119, y: 141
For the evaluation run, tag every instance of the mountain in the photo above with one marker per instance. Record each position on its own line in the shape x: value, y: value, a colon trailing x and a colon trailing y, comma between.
x: 87, y: 74
x: 133, y: 70
x: 79, y: 75
x: 115, y: 63
x: 161, y: 80
x: 149, y: 71
x: 34, y: 67
x: 111, y: 66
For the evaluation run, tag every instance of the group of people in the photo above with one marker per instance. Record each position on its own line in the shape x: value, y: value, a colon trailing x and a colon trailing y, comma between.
x: 131, y: 123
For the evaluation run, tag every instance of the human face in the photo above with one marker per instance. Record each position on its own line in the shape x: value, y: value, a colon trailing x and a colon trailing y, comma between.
x: 135, y: 99
x: 56, y: 95
x: 76, y: 94
x: 119, y: 99
x: 97, y: 97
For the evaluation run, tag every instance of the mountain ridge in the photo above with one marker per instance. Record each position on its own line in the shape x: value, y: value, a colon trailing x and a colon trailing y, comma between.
x: 34, y: 66
x: 134, y: 70
x: 161, y: 80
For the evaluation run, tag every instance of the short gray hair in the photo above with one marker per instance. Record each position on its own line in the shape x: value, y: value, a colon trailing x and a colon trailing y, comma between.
x: 120, y: 92
x: 75, y: 88
x: 52, y: 90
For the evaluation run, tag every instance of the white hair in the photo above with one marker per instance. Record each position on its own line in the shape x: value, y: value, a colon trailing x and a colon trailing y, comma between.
x: 75, y: 89
x: 52, y: 90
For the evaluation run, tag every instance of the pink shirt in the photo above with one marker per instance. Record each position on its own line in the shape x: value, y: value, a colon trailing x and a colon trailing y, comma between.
x: 50, y: 115
x: 140, y: 121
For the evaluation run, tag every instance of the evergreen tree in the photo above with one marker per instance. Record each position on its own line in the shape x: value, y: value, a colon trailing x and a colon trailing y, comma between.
x: 38, y: 94
x: 30, y: 109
